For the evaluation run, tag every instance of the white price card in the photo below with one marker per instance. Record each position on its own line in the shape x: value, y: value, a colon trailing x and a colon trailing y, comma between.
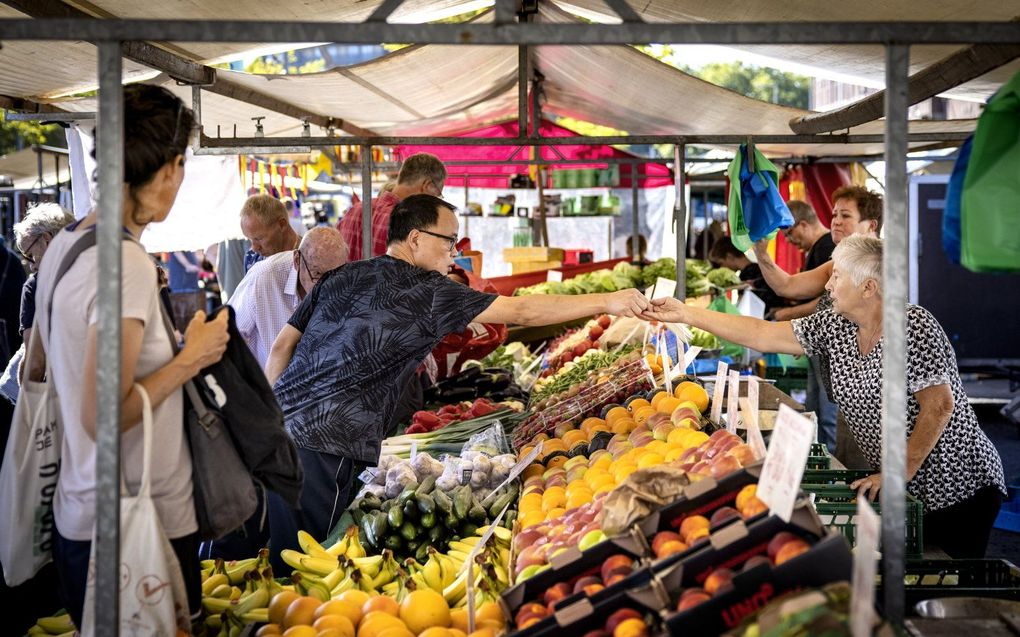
x: 754, y: 437
x: 523, y: 464
x: 862, y: 598
x: 689, y: 356
x: 752, y: 395
x: 664, y: 289
x: 554, y: 275
x: 784, y: 465
x: 731, y: 402
x: 717, y: 393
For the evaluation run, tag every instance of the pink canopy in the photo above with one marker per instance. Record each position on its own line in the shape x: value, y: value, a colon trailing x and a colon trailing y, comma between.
x: 497, y: 175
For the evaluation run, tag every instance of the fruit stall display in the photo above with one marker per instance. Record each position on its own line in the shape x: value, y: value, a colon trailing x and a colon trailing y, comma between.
x: 424, y: 421
x: 493, y: 383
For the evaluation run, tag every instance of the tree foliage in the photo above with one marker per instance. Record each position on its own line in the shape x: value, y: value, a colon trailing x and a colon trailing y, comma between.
x: 758, y: 82
x: 28, y: 133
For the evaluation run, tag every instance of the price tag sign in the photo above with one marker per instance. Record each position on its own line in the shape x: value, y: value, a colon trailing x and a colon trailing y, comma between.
x: 664, y: 289
x: 554, y: 275
x: 754, y: 437
x: 689, y: 356
x: 784, y: 464
x: 519, y: 468
x: 717, y: 393
x: 414, y: 449
x: 471, y: 562
x: 731, y: 402
x: 752, y: 394
x: 663, y: 352
x: 862, y: 598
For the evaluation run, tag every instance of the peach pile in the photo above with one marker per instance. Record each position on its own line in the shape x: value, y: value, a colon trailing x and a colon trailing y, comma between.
x: 615, y: 569
x: 625, y: 622
x: 783, y: 547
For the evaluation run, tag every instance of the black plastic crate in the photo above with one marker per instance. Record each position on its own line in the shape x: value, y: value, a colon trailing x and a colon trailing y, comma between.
x: 930, y: 579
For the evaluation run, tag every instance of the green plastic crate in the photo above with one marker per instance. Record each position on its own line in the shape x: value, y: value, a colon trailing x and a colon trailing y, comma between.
x: 788, y: 379
x: 832, y: 476
x: 837, y: 507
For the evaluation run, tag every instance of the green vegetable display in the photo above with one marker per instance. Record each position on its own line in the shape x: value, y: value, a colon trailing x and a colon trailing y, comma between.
x: 723, y: 278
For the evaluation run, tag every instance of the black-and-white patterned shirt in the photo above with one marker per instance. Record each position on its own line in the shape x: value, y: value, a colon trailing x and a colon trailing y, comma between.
x: 963, y: 460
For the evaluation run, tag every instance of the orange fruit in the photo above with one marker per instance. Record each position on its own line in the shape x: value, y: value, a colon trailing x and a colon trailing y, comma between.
x: 668, y: 404
x: 490, y: 611
x: 456, y: 632
x: 533, y: 470
x: 588, y: 423
x: 597, y: 428
x: 487, y: 631
x: 395, y: 631
x: 459, y: 619
x: 354, y: 597
x: 651, y: 459
x: 300, y: 631
x: 638, y: 403
x: 659, y: 395
x: 301, y: 612
x: 424, y: 608
x: 693, y: 392
x: 340, y: 607
x: 269, y: 630
x: 278, y: 606
x: 614, y: 413
x: 558, y: 461
x: 374, y: 623
x: 643, y: 414
x: 745, y: 495
x: 381, y: 603
x: 436, y: 631
x: 337, y: 622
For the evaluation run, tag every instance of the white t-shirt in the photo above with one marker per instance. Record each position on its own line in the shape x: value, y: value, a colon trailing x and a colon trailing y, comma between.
x: 74, y: 310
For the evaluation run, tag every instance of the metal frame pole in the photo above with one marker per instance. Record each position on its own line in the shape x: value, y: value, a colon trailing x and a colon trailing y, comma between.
x: 523, y: 62
x: 895, y: 275
x: 635, y: 228
x: 366, y: 202
x: 110, y: 144
x: 680, y: 220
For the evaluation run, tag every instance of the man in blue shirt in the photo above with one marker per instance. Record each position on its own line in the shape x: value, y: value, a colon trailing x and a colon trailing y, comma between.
x: 351, y: 346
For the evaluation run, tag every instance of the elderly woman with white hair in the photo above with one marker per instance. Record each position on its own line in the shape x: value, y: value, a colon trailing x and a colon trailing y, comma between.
x: 952, y: 466
x: 32, y: 235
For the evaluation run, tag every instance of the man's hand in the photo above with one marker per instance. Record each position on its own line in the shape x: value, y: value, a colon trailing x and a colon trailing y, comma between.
x: 761, y: 250
x: 666, y: 310
x: 868, y: 486
x: 626, y: 303
x: 205, y: 341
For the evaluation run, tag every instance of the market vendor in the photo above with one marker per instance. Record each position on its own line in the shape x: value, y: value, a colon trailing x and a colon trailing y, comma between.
x: 340, y: 364
x: 952, y: 466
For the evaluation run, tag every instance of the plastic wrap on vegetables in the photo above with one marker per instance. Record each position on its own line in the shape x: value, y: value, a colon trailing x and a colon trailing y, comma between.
x: 426, y: 466
x: 400, y: 477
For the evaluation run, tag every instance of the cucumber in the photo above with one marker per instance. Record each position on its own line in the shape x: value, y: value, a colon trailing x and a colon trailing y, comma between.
x: 410, y: 510
x: 508, y: 519
x: 412, y: 545
x: 422, y: 553
x: 368, y: 529
x: 394, y: 542
x: 357, y: 514
x: 427, y: 485
x: 476, y: 513
x: 436, y: 534
x: 405, y: 495
x: 395, y: 516
x: 468, y: 529
x: 408, y: 531
x: 462, y: 502
x: 443, y: 501
x: 428, y: 520
x: 500, y: 502
x: 450, y: 521
x: 379, y: 526
x: 370, y: 503
x: 425, y: 503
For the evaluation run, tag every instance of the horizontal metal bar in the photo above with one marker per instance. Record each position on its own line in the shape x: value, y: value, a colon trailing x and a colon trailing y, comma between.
x: 62, y: 116
x: 302, y: 142
x: 513, y: 33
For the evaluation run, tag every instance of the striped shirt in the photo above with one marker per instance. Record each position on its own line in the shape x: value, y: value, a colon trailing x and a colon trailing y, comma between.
x: 264, y: 301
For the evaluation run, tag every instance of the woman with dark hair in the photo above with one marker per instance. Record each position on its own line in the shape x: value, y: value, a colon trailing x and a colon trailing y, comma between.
x: 157, y: 128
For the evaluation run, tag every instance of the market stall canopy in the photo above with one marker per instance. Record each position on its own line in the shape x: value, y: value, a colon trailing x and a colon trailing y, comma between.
x: 495, y: 176
x: 22, y: 166
x: 423, y: 90
x: 864, y: 65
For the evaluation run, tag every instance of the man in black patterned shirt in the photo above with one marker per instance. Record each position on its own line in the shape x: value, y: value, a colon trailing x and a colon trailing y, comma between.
x: 339, y: 366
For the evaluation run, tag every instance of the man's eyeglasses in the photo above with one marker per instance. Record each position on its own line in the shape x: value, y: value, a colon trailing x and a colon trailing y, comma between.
x: 27, y: 252
x: 313, y: 277
x: 438, y: 187
x: 452, y: 240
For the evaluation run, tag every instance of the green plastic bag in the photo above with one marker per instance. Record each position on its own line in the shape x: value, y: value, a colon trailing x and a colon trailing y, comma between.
x: 990, y: 218
x: 722, y: 304
x: 739, y: 230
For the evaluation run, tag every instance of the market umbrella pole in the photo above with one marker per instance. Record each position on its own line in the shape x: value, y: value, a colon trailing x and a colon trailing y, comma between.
x: 110, y: 144
x: 635, y: 241
x: 680, y: 221
x: 895, y: 273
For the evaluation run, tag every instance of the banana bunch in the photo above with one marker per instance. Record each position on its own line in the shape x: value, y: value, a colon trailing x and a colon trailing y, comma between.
x: 57, y: 625
x: 230, y: 611
x: 334, y: 575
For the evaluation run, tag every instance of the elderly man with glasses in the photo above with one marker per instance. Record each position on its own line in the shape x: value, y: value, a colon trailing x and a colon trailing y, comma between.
x: 420, y: 174
x: 267, y: 296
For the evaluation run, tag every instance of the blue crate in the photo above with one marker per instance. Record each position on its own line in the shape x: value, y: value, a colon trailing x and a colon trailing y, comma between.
x: 1009, y: 514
